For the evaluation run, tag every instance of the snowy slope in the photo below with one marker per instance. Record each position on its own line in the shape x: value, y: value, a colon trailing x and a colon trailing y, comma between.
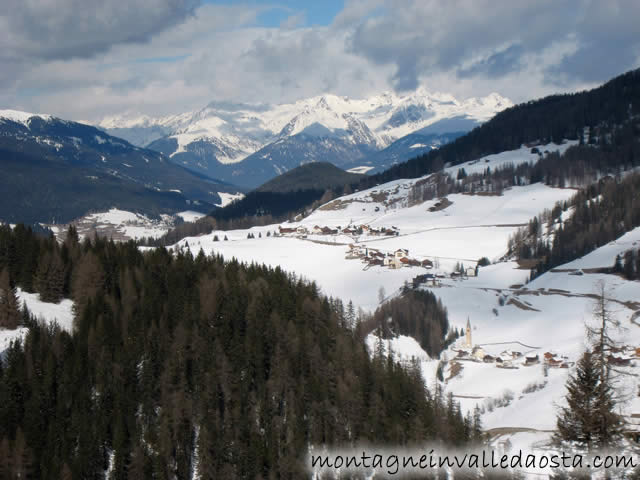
x: 548, y: 315
x: 506, y: 313
x: 443, y: 236
x: 470, y: 228
x: 519, y: 406
x: 122, y: 225
x: 22, y: 117
x: 58, y: 313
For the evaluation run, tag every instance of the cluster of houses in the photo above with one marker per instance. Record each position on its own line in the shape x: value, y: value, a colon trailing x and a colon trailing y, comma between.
x: 508, y: 358
x: 349, y: 230
x: 512, y: 359
x: 393, y: 260
x: 622, y: 356
x: 467, y: 272
x: 430, y: 279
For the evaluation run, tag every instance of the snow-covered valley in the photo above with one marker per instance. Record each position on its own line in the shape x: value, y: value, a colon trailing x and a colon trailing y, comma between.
x: 508, y: 316
x: 366, y: 246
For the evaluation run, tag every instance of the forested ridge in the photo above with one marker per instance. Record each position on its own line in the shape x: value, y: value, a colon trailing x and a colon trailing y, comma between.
x: 310, y: 176
x: 552, y: 118
x: 601, y: 213
x: 255, y: 209
x: 178, y: 364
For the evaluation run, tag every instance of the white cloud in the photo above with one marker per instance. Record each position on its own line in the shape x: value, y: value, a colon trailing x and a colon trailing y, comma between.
x: 179, y: 58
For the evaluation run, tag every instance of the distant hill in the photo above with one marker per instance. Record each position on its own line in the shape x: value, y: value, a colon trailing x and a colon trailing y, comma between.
x: 311, y: 176
x: 55, y: 170
x: 295, y: 192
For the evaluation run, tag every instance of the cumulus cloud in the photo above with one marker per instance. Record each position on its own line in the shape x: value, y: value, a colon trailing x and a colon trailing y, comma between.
x: 169, y: 56
x: 491, y: 38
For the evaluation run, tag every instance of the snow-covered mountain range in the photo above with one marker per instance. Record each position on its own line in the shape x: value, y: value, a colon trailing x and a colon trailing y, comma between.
x: 249, y: 144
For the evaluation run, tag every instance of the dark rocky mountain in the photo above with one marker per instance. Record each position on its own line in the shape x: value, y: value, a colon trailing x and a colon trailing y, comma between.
x: 56, y: 170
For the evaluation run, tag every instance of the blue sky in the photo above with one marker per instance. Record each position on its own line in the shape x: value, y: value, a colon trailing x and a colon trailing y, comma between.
x: 316, y: 13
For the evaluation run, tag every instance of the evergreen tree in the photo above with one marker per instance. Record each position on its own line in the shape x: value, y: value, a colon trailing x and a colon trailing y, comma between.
x: 617, y: 266
x: 589, y: 417
x: 476, y: 427
x: 350, y: 315
x: 87, y: 279
x: 5, y: 458
x: 10, y: 315
x: 22, y: 463
x: 629, y: 266
x: 576, y: 421
x: 49, y: 281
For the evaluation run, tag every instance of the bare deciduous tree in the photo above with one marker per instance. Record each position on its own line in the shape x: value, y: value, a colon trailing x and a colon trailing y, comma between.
x: 602, y: 330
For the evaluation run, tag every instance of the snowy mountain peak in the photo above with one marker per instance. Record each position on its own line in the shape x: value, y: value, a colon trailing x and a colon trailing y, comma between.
x: 325, y: 127
x: 22, y: 117
x: 387, y: 114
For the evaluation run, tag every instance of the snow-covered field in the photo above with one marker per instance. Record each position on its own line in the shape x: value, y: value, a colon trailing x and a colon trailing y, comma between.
x: 548, y: 315
x: 472, y: 227
x: 121, y: 225
x: 59, y: 313
x: 8, y: 336
x: 227, y: 198
x: 190, y: 215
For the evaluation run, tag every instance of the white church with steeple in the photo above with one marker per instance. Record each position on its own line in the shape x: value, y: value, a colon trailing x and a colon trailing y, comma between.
x: 468, y: 343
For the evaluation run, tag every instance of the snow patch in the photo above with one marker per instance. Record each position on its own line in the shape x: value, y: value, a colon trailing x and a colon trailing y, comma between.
x: 190, y: 215
x: 59, y: 313
x: 227, y: 198
x: 363, y: 169
x: 403, y: 348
